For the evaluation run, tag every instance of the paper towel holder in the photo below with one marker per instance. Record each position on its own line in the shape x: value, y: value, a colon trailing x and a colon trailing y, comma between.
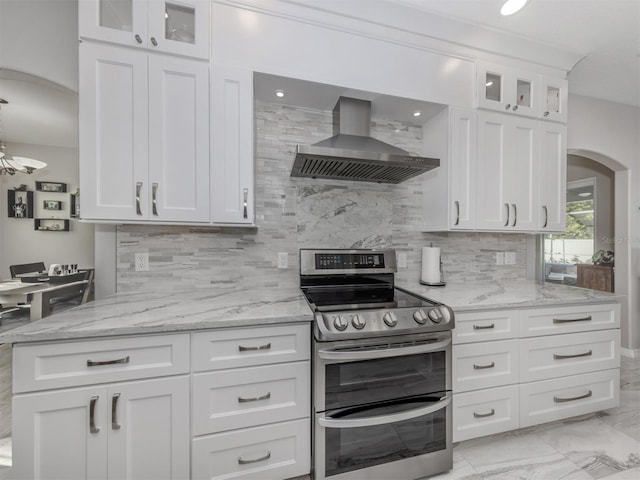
x: 441, y: 283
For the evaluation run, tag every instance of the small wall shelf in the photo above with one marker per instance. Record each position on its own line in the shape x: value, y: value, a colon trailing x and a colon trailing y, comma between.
x: 51, y: 224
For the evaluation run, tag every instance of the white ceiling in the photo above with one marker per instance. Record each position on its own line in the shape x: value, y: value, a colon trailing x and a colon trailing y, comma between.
x: 605, y: 33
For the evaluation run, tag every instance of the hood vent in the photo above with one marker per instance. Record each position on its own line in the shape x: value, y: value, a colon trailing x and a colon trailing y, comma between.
x: 351, y: 154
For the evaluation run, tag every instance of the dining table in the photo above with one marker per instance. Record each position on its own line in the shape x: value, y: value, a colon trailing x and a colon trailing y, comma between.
x: 38, y: 294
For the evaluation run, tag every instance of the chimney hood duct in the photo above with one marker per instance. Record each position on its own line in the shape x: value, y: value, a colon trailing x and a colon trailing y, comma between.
x: 351, y: 154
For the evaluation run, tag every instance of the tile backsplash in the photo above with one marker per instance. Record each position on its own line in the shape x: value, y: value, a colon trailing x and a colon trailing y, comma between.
x: 293, y: 213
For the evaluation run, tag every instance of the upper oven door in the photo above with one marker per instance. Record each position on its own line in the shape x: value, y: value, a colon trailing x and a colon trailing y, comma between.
x: 348, y: 374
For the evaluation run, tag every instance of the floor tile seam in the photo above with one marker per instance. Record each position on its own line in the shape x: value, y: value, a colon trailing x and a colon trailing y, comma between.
x: 577, y: 467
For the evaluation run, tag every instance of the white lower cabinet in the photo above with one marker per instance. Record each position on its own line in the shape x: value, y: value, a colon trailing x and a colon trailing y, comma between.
x: 131, y: 430
x: 517, y: 368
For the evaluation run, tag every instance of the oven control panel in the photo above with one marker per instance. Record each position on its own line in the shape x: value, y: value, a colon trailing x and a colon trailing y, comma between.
x: 376, y: 322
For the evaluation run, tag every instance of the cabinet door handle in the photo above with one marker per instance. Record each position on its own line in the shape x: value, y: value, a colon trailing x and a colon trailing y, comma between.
x: 92, y: 415
x: 483, y: 415
x: 266, y: 346
x: 546, y: 216
x: 515, y: 107
x: 480, y: 367
x: 484, y: 327
x: 457, y: 204
x: 506, y: 224
x: 138, y: 38
x: 242, y: 461
x: 154, y: 41
x: 562, y: 357
x: 507, y: 106
x: 515, y: 214
x: 114, y: 412
x: 154, y: 198
x: 571, y: 399
x: 91, y: 363
x: 138, y: 188
x: 568, y: 320
x: 545, y: 114
x: 244, y: 203
x: 266, y: 396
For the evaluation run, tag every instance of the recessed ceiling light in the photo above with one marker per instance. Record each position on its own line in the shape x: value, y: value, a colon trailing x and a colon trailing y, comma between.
x: 417, y: 113
x: 279, y: 93
x: 512, y: 6
x: 584, y: 194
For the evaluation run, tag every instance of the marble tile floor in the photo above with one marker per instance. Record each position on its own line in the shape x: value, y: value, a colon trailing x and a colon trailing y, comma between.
x: 603, y: 445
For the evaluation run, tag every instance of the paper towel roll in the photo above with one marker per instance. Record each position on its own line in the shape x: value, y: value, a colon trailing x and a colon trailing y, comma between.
x: 430, y: 264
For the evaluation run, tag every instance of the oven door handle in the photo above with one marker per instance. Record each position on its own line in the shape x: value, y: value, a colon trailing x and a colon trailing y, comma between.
x: 383, y: 352
x: 329, y: 422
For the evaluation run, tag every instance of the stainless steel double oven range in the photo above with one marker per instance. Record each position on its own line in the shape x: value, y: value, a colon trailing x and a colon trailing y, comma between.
x: 381, y: 369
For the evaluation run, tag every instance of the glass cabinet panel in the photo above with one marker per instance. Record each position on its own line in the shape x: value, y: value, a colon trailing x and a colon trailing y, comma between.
x: 493, y: 87
x: 180, y: 23
x: 117, y: 14
x: 552, y: 99
x: 523, y: 93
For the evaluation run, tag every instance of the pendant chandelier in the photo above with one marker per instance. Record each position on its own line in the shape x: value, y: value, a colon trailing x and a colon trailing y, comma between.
x: 13, y: 164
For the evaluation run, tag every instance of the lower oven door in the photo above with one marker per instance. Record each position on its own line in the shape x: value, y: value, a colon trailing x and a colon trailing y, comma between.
x: 401, y: 439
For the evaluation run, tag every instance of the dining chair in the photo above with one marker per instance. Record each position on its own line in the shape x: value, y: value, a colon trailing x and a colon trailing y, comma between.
x: 20, y: 269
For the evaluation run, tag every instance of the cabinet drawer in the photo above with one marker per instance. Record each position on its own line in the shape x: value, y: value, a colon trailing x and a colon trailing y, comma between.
x: 483, y: 326
x: 250, y: 396
x: 71, y: 364
x: 485, y: 412
x: 562, y: 355
x: 484, y: 365
x: 581, y: 318
x: 220, y: 349
x: 276, y: 451
x: 564, y: 397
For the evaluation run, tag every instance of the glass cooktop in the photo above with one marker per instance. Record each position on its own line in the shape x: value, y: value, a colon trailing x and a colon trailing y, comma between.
x: 328, y: 299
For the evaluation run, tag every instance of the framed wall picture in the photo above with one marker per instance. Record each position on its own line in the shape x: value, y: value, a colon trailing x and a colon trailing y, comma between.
x: 51, y: 187
x: 52, y: 205
x: 20, y: 204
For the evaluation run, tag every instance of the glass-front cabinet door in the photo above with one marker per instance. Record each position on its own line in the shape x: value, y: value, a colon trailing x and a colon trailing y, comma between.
x: 508, y: 90
x: 175, y: 26
x: 554, y: 99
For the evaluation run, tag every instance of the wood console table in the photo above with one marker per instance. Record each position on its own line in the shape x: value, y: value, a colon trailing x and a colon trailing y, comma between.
x: 595, y: 277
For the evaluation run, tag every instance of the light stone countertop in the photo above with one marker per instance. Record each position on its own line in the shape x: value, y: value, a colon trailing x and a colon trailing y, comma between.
x: 208, y: 308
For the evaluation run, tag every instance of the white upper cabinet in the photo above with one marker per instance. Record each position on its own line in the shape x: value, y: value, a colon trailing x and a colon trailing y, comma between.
x: 232, y: 148
x: 180, y: 27
x: 553, y: 103
x: 553, y: 177
x: 144, y: 136
x: 520, y: 92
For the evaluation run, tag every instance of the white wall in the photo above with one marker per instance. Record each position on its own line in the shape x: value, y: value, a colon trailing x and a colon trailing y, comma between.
x: 19, y: 242
x: 609, y: 133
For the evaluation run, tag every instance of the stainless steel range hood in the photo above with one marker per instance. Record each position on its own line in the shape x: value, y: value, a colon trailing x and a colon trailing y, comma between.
x: 351, y: 154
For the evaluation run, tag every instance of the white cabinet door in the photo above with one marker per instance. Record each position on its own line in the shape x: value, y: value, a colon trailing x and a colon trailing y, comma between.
x: 554, y: 99
x: 61, y: 434
x: 552, y: 185
x: 492, y: 206
x: 113, y: 131
x: 149, y: 429
x: 462, y: 168
x: 180, y: 27
x: 178, y: 185
x: 232, y: 189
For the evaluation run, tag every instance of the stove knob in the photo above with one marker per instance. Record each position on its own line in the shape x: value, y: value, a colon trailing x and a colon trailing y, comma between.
x: 446, y: 314
x: 340, y: 323
x: 390, y: 319
x: 358, y: 322
x: 420, y: 317
x: 434, y: 315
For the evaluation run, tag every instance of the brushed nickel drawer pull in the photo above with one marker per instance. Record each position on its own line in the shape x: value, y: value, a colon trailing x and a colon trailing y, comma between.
x: 92, y: 415
x: 483, y: 415
x: 245, y: 193
x: 138, y: 188
x: 567, y: 320
x: 242, y: 461
x: 266, y: 396
x: 562, y: 357
x: 266, y: 346
x: 515, y: 214
x: 457, y: 203
x: 484, y: 327
x: 154, y: 198
x: 91, y: 363
x: 546, y: 216
x: 506, y: 224
x: 114, y: 412
x: 560, y: 400
x: 480, y: 367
